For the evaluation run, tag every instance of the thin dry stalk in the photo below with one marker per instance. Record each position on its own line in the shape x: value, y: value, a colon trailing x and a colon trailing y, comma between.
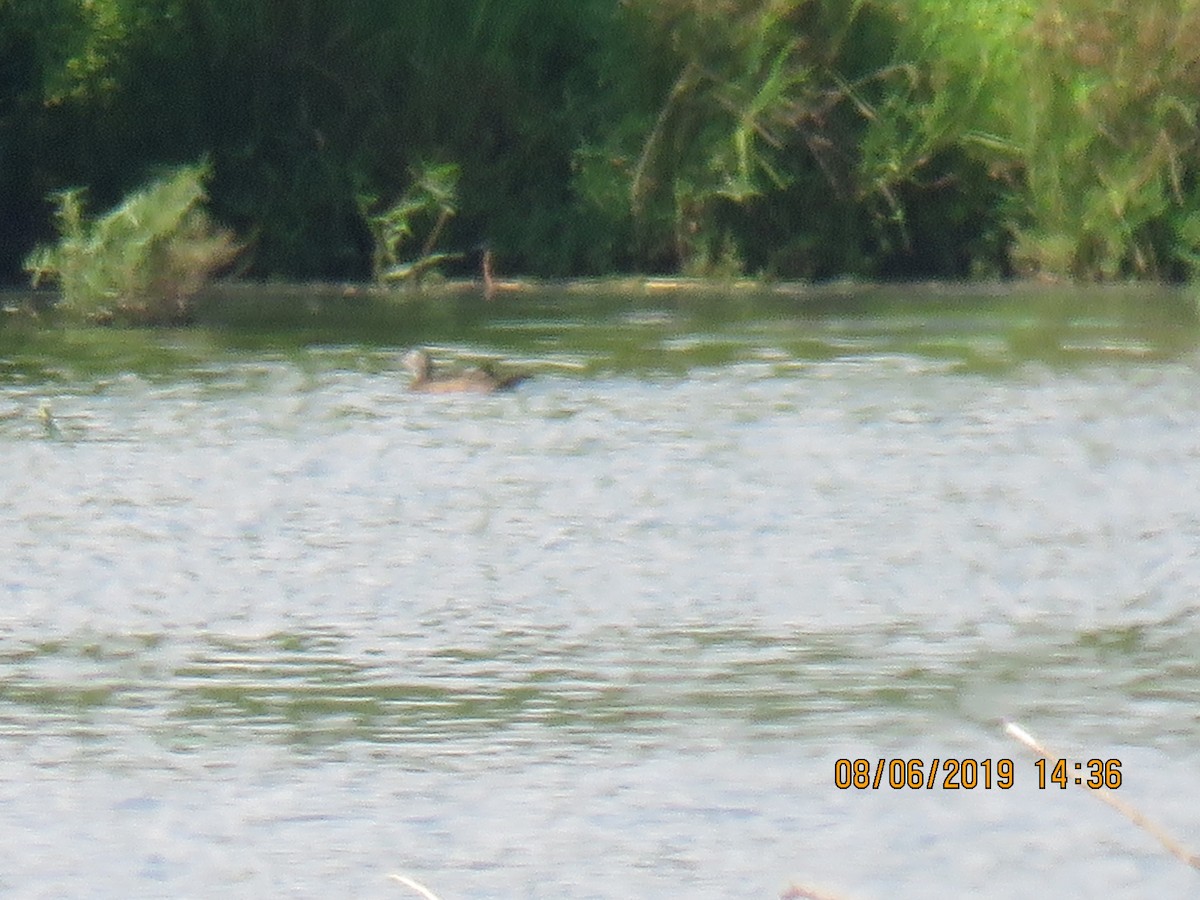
x: 639, y: 184
x: 415, y: 885
x: 1172, y: 846
x: 803, y: 892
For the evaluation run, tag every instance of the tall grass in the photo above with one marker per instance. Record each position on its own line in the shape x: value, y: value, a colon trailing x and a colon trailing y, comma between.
x: 739, y: 107
x: 1084, y: 111
x: 1110, y: 135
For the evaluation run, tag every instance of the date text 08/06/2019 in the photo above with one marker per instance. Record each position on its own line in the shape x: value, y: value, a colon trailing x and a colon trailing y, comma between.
x: 954, y: 774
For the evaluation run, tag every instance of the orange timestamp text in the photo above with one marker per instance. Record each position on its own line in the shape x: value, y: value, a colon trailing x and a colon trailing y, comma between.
x: 950, y: 774
x: 954, y: 774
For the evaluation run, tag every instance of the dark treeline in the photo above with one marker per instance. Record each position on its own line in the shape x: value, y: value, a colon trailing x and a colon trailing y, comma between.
x: 792, y: 138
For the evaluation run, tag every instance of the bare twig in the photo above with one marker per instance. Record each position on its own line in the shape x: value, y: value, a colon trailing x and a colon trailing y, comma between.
x: 415, y: 885
x: 803, y: 892
x: 1172, y: 846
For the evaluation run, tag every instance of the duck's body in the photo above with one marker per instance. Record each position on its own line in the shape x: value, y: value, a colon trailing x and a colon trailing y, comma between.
x: 472, y: 381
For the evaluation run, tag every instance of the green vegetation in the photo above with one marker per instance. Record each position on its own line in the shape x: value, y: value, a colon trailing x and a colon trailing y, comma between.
x: 787, y: 138
x: 140, y: 262
x: 433, y: 195
x: 1085, y: 113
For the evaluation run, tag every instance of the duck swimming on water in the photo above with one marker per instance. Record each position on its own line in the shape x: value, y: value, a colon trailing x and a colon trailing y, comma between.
x: 471, y: 381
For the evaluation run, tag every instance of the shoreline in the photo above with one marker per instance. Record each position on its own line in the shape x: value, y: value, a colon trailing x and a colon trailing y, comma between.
x: 288, y: 303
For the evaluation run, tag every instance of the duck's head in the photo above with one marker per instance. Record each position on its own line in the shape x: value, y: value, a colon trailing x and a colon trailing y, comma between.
x: 419, y: 365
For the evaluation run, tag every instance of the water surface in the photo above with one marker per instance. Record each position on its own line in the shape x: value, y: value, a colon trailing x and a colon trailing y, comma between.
x: 273, y: 626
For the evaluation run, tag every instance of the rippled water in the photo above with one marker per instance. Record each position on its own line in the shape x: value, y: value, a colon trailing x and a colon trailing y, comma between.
x: 273, y: 626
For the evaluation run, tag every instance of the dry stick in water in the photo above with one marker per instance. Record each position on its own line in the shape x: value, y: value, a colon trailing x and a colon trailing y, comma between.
x: 802, y: 892
x: 415, y: 885
x: 1135, y: 816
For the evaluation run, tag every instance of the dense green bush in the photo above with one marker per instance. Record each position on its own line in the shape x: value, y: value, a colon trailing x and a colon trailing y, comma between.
x: 796, y: 138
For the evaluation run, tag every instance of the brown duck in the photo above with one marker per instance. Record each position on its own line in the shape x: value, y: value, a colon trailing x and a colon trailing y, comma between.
x: 472, y: 381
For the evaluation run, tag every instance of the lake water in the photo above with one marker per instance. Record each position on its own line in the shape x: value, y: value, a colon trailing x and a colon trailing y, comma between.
x: 273, y: 626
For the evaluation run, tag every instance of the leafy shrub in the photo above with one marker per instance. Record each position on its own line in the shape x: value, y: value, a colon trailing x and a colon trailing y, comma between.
x: 432, y: 197
x: 140, y: 262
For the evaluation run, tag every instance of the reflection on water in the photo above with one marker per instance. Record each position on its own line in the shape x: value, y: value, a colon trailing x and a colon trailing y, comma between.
x: 272, y: 624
